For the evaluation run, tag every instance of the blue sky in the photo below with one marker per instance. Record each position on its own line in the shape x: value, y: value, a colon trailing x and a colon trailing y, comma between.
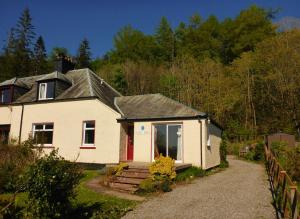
x: 66, y: 23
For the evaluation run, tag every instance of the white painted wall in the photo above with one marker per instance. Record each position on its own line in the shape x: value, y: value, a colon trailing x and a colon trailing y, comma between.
x: 143, y: 144
x: 212, y: 151
x: 68, y: 118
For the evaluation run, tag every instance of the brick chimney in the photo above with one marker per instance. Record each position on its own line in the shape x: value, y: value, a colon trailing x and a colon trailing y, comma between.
x: 64, y: 63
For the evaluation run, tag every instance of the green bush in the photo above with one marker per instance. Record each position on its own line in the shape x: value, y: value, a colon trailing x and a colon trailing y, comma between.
x: 163, y: 168
x: 50, y: 185
x: 162, y: 173
x: 259, y: 151
x: 224, y: 164
x: 223, y: 151
x: 165, y: 185
x: 189, y: 174
x: 278, y: 147
x: 147, y: 186
x: 119, y: 168
x: 288, y: 157
x: 234, y: 148
x: 250, y: 155
x: 14, y: 159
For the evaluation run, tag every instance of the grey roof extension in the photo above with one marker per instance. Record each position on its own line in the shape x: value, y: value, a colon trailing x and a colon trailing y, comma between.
x: 153, y: 106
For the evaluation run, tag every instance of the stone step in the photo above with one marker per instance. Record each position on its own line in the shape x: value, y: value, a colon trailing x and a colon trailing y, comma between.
x: 133, y: 181
x: 138, y: 170
x: 131, y: 174
x: 123, y: 187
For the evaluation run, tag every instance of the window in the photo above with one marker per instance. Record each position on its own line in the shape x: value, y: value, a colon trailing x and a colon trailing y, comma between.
x: 88, y: 133
x: 43, y: 134
x: 5, y: 95
x: 46, y: 91
x: 4, y: 134
x: 168, y: 141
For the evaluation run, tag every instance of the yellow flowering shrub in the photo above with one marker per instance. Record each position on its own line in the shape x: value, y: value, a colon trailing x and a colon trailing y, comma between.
x: 119, y: 168
x: 163, y: 169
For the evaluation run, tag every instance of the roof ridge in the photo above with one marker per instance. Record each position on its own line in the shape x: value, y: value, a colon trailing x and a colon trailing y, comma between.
x: 137, y: 95
x: 90, y: 82
x: 107, y: 84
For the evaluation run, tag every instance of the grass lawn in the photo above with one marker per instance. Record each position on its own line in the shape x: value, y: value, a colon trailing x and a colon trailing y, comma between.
x: 87, y: 202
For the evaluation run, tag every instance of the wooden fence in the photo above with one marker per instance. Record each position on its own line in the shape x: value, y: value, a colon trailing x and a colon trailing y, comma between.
x: 286, y: 194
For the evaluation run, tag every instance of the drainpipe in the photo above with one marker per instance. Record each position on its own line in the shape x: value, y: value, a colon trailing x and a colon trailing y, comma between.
x: 201, y: 158
x: 21, y: 124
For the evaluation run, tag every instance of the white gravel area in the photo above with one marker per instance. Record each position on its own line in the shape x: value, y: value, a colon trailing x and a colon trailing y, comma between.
x: 239, y: 192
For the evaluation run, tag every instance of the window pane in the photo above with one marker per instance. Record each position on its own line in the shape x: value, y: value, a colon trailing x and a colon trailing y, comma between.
x: 174, y: 142
x: 5, y: 96
x: 50, y: 90
x: 42, y: 91
x: 38, y: 136
x: 43, y: 137
x: 47, y: 137
x: 4, y: 136
x: 90, y: 124
x: 49, y: 126
x: 89, y: 136
x: 160, y: 143
x: 38, y: 127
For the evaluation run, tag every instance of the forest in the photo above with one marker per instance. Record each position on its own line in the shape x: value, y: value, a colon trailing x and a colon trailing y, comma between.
x: 243, y: 71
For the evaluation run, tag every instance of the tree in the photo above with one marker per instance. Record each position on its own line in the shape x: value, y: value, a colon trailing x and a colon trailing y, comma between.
x: 40, y: 57
x: 83, y: 55
x: 131, y: 44
x: 243, y: 73
x: 120, y: 82
x: 24, y: 37
x: 8, y: 64
x: 251, y: 26
x: 10, y: 47
x: 165, y: 39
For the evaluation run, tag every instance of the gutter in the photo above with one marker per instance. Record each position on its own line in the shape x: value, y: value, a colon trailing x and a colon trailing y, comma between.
x: 118, y: 108
x: 126, y: 119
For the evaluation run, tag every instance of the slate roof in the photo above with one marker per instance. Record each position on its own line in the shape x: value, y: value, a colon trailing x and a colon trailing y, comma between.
x: 153, y: 106
x: 55, y: 75
x: 16, y: 82
x: 84, y: 83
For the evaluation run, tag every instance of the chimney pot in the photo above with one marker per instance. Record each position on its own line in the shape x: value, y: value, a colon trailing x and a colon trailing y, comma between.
x: 64, y: 63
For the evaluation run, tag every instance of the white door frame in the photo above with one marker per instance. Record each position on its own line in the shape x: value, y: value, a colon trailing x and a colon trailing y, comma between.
x: 167, y: 140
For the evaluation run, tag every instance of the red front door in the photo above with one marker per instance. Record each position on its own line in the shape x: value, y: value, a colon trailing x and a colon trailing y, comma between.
x: 130, y: 143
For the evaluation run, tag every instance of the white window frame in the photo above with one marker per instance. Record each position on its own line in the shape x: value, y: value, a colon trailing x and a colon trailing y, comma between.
x: 34, y: 130
x: 2, y: 96
x: 45, y: 92
x: 85, y: 129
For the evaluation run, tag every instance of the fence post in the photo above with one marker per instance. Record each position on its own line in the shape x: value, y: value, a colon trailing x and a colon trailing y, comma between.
x: 294, y: 199
x: 284, y: 195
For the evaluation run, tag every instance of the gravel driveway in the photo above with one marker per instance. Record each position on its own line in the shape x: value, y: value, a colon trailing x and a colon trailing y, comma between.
x: 241, y: 191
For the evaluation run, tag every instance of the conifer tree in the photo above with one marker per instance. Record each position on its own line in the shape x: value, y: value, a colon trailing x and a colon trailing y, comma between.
x: 24, y: 37
x: 8, y: 65
x: 40, y: 57
x: 166, y: 40
x: 83, y: 55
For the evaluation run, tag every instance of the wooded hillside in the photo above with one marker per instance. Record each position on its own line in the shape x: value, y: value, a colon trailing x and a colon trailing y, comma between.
x: 242, y: 70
